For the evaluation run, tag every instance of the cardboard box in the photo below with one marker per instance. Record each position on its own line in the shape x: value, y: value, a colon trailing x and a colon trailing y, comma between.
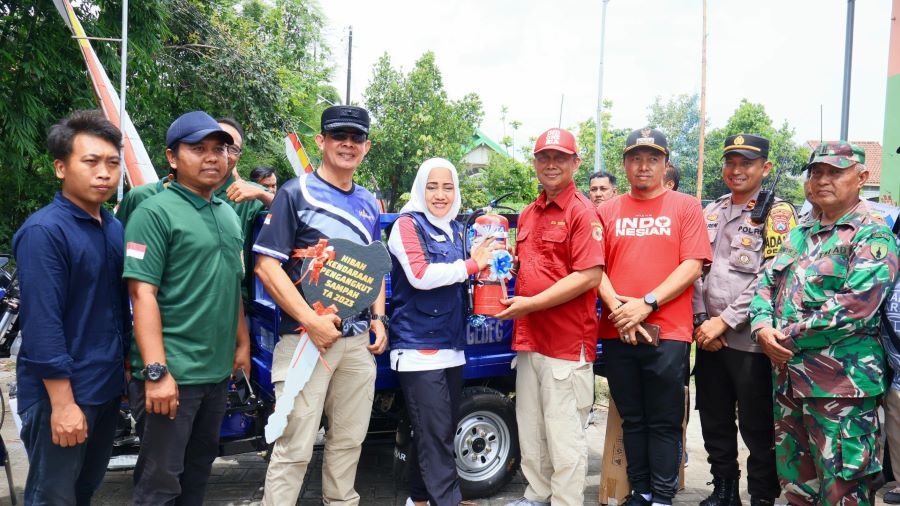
x: 614, y: 484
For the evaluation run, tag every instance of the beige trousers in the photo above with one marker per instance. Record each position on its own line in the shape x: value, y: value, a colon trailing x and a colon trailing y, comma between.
x: 553, y: 400
x: 892, y: 428
x: 345, y: 394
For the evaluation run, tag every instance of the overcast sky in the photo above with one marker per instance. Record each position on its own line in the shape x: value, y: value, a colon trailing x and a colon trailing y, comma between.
x: 786, y: 54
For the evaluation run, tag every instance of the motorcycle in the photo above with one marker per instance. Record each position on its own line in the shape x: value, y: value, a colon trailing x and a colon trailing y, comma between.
x: 9, y: 308
x: 9, y: 339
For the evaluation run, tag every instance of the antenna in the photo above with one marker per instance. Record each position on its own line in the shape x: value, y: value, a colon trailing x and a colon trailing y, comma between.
x: 702, y: 110
x: 562, y: 99
x: 349, y: 60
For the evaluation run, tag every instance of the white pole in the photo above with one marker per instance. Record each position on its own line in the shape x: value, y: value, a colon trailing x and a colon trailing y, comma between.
x: 598, y: 144
x: 121, y: 190
x: 702, y: 109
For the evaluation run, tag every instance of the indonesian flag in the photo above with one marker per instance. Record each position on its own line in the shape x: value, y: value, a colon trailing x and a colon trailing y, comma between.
x: 135, y: 250
x: 138, y: 168
x: 296, y: 154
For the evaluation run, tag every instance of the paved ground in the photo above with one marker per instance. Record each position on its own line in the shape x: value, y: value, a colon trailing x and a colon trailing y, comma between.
x: 238, y: 480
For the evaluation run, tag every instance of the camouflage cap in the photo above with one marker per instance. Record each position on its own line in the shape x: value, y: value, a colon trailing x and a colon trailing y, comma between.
x: 840, y: 154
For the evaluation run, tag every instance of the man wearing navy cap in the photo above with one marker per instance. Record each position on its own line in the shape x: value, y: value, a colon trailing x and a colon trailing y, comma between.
x: 732, y: 373
x: 324, y: 204
x: 183, y: 266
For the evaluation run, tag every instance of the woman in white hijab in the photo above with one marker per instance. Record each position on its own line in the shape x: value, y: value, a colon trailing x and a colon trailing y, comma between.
x: 428, y: 325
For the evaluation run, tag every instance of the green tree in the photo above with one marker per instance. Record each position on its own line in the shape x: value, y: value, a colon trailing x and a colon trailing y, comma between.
x: 613, y: 140
x: 503, y: 174
x: 679, y: 119
x: 413, y: 119
x: 43, y: 78
x: 785, y: 154
x: 264, y: 63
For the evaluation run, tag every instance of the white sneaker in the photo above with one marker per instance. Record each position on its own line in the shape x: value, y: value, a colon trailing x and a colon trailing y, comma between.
x: 409, y: 502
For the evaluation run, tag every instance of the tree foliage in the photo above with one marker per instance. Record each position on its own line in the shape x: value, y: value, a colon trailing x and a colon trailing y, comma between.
x: 784, y: 153
x: 263, y: 63
x: 413, y: 119
x: 679, y: 119
x: 613, y: 143
x: 503, y: 174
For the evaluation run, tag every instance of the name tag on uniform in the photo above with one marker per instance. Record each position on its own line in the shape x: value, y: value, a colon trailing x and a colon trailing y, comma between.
x: 438, y: 238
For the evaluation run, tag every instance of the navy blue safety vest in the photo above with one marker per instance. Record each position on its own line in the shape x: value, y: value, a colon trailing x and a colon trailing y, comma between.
x: 428, y: 319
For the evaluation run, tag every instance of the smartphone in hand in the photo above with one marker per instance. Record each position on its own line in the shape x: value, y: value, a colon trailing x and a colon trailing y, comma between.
x: 653, y: 330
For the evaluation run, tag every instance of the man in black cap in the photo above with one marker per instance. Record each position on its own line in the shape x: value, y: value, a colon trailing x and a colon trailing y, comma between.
x: 322, y: 205
x: 731, y: 371
x: 655, y: 245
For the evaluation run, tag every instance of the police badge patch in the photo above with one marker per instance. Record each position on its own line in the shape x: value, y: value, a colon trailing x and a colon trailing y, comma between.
x: 779, y: 223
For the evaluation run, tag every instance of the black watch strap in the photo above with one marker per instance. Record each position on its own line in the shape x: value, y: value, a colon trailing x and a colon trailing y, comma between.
x: 382, y: 318
x: 154, y: 372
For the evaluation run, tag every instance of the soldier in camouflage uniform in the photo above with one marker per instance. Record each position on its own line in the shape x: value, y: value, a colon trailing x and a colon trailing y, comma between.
x: 733, y: 376
x: 816, y: 315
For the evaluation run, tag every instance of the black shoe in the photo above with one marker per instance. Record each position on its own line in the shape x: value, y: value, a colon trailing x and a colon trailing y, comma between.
x: 635, y: 499
x: 892, y: 496
x: 755, y: 501
x: 725, y: 493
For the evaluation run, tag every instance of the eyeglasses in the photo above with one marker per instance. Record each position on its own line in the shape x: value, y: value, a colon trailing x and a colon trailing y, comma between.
x: 342, y: 135
x: 234, y: 150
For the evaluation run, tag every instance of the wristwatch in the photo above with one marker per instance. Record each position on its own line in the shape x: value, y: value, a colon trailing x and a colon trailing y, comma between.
x: 154, y: 372
x: 699, y: 318
x: 382, y: 318
x: 650, y: 300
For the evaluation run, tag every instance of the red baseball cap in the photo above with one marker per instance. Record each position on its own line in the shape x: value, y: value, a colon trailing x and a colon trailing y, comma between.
x: 558, y: 139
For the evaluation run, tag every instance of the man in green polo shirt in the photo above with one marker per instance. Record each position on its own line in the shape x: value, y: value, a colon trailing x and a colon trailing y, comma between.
x: 184, y: 271
x: 138, y: 194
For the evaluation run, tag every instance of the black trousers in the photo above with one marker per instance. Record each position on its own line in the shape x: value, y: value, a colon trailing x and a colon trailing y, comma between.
x: 432, y: 401
x: 176, y: 456
x: 737, y: 385
x: 647, y: 384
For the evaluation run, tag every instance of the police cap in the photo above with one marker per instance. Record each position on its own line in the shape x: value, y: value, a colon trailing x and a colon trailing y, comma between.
x: 337, y: 117
x: 747, y: 145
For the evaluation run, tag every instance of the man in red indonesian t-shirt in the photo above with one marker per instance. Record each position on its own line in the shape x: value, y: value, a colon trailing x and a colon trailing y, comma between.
x: 655, y: 245
x: 560, y: 254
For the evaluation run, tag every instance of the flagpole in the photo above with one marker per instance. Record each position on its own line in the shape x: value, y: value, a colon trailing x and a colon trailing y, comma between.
x: 848, y: 65
x: 121, y: 190
x: 702, y: 110
x: 598, y: 142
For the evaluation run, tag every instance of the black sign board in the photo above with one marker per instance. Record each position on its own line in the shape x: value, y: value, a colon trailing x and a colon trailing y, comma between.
x: 344, y: 274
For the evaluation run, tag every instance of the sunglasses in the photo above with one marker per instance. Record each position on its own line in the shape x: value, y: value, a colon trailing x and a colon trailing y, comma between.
x: 342, y: 135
